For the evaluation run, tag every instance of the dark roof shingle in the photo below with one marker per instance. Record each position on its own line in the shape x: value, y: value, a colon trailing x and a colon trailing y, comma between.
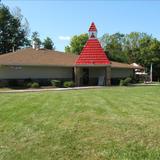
x: 44, y: 57
x: 41, y: 57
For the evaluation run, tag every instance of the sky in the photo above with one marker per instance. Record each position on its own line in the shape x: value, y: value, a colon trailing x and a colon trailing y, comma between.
x: 63, y: 19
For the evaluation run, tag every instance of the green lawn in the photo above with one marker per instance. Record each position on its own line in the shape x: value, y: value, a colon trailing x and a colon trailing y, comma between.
x: 116, y: 123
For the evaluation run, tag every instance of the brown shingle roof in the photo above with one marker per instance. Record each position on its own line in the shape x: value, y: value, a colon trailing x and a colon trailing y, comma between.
x: 44, y: 57
x: 41, y: 57
x: 123, y: 65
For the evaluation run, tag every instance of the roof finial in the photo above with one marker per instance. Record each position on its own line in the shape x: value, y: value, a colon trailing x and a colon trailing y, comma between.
x: 92, y: 31
x: 92, y: 27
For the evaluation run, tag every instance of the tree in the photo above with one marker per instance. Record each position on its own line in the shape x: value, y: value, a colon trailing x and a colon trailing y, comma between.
x: 150, y: 53
x: 77, y: 43
x: 35, y: 39
x: 135, y: 47
x: 13, y: 33
x: 48, y: 43
x: 68, y: 49
x: 113, y: 46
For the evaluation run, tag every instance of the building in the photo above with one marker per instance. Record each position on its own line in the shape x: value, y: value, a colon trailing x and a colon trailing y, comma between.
x: 91, y: 67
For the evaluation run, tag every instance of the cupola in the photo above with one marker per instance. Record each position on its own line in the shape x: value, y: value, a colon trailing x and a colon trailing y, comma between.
x: 92, y: 31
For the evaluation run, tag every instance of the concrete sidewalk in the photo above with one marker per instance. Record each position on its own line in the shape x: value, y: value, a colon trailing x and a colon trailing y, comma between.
x: 146, y: 84
x: 48, y: 89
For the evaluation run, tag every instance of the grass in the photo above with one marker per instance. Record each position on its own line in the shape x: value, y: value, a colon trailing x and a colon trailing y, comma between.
x: 119, y: 123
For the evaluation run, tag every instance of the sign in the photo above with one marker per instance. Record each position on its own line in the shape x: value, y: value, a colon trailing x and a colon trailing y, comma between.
x: 101, y: 81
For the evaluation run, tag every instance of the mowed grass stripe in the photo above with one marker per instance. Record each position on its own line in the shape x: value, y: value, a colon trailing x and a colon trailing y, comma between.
x: 111, y: 123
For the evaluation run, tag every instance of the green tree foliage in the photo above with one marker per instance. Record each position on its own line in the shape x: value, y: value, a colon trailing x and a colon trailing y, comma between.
x: 48, y: 43
x: 77, y: 43
x: 113, y: 46
x: 13, y: 33
x: 68, y: 49
x: 150, y: 53
x: 35, y: 38
x: 135, y: 47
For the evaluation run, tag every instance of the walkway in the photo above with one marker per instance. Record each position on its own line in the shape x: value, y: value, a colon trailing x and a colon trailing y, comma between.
x: 47, y: 89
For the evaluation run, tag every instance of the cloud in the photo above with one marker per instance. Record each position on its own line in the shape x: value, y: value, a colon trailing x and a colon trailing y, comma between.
x: 64, y: 38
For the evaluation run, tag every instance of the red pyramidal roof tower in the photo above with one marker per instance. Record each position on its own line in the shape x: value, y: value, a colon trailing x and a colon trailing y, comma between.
x: 92, y: 52
x: 92, y: 28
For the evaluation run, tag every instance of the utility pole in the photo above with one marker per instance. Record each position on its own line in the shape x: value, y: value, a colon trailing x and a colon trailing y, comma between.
x: 151, y: 73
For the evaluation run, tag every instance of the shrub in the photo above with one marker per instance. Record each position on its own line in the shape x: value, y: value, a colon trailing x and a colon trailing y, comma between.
x: 125, y: 82
x: 56, y: 83
x: 29, y: 84
x: 68, y: 84
x: 121, y: 82
x: 35, y: 85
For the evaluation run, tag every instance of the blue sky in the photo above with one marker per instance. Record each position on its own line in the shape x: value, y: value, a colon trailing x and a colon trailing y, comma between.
x: 60, y: 20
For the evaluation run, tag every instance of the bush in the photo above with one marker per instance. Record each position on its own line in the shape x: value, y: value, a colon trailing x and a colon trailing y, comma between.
x: 35, y: 85
x: 125, y: 82
x: 56, y: 83
x: 29, y: 84
x: 121, y: 83
x: 68, y: 84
